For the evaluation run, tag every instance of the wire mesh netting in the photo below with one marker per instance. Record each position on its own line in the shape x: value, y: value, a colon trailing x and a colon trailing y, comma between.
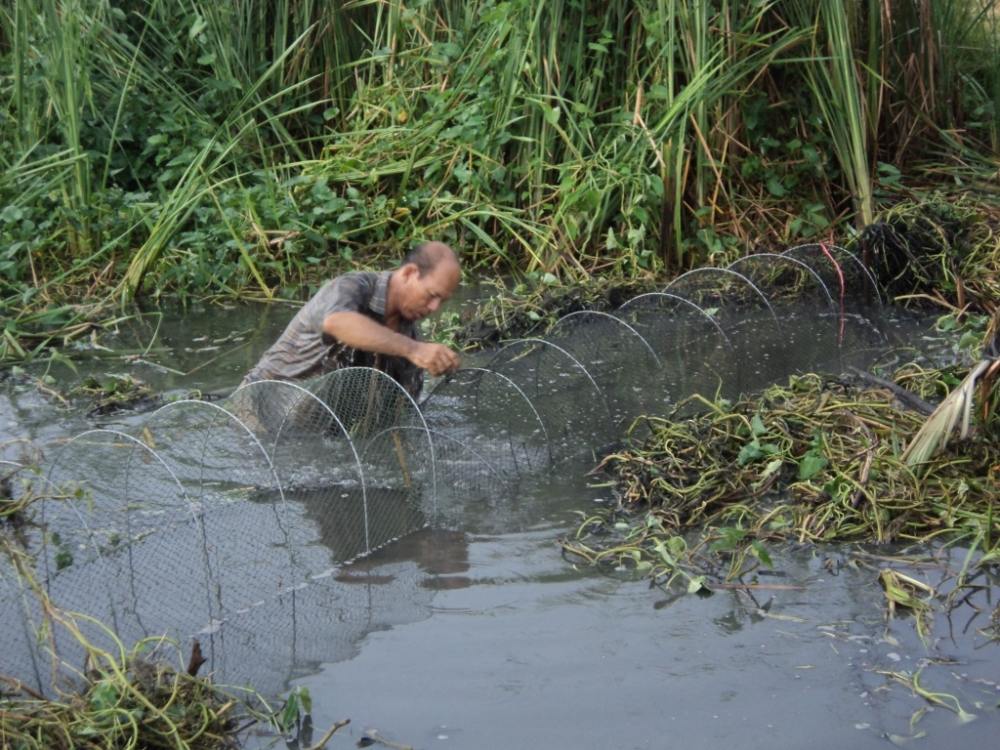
x: 267, y: 513
x: 725, y: 294
x: 565, y: 394
x: 492, y: 415
x: 121, y: 519
x: 784, y: 277
x: 843, y: 272
x: 20, y: 611
x: 396, y: 450
x: 618, y: 358
x: 235, y: 493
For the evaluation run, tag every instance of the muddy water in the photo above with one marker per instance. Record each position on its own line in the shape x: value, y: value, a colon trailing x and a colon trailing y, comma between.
x: 516, y: 653
x: 483, y: 636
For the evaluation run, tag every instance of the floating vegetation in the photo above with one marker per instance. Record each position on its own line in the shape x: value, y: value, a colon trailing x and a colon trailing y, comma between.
x: 137, y: 698
x: 113, y: 393
x: 909, y: 593
x: 122, y: 698
x: 945, y: 700
x: 128, y: 701
x: 703, y: 490
x: 119, y: 697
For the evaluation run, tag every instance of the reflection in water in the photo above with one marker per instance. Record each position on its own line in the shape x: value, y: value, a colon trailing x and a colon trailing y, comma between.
x: 337, y: 517
x: 326, y: 620
x: 439, y: 555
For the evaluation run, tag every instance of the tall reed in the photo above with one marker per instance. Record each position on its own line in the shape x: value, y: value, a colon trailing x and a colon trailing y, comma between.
x: 539, y: 135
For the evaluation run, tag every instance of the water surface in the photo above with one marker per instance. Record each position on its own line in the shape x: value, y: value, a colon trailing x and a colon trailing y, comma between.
x: 480, y: 635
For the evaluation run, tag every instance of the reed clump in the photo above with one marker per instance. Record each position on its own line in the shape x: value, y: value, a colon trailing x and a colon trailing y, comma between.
x: 249, y: 148
x: 815, y: 460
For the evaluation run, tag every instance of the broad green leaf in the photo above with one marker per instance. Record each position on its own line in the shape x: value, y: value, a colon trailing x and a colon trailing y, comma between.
x: 811, y: 464
x: 730, y: 538
x: 11, y: 214
x: 290, y: 714
x: 661, y: 549
x: 104, y: 696
x: 696, y: 584
x: 197, y: 27
x: 306, y: 698
x: 760, y: 552
x: 677, y: 546
x: 749, y: 452
x: 775, y: 187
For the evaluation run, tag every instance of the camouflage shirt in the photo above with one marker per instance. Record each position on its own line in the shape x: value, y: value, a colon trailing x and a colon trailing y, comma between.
x: 304, y: 350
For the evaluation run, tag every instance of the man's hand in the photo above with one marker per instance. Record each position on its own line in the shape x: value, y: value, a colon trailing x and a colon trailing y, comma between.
x: 437, y: 359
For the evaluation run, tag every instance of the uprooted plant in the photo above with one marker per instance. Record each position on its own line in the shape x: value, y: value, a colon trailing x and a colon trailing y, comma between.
x: 705, y: 488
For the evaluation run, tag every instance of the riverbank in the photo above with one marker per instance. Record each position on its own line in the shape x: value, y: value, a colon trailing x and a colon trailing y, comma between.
x: 162, y: 150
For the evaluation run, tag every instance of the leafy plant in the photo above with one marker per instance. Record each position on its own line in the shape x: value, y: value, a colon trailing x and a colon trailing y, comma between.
x: 249, y: 148
x: 297, y: 708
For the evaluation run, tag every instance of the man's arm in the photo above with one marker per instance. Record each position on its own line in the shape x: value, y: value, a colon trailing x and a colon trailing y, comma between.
x: 361, y: 332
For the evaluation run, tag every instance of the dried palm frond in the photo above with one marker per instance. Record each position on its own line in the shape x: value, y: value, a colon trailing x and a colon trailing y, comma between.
x: 989, y: 394
x: 941, y: 424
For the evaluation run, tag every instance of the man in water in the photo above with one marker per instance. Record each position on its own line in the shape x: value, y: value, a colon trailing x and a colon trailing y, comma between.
x: 370, y: 319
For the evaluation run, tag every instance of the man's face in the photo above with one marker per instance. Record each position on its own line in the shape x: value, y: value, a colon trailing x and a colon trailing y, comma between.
x: 424, y: 295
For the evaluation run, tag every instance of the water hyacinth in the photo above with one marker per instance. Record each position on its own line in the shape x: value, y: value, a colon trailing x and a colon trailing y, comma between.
x: 816, y: 460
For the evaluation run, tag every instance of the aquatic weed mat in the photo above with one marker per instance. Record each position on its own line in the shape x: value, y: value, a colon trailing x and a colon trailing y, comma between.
x: 722, y: 496
x: 111, y: 697
x: 122, y: 699
x: 703, y: 491
x: 137, y: 703
x: 944, y: 249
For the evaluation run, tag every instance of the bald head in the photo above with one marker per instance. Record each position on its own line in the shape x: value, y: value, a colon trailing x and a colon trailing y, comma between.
x: 428, y: 276
x: 429, y: 255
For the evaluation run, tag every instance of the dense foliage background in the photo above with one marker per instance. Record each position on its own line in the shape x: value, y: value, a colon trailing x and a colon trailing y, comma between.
x: 247, y: 146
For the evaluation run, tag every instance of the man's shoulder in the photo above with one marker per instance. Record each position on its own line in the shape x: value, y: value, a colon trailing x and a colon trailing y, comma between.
x: 358, y: 275
x: 352, y: 278
x: 354, y: 290
x: 350, y: 284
